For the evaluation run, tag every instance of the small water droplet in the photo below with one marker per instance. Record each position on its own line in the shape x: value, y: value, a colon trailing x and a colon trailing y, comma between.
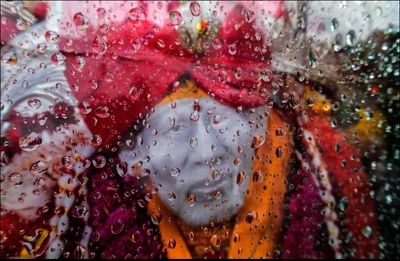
x: 216, y: 240
x: 156, y: 218
x: 334, y: 24
x: 58, y: 59
x: 52, y: 37
x: 240, y: 178
x: 195, y: 116
x: 117, y: 227
x: 122, y: 168
x: 249, y: 16
x: 367, y: 231
x: 160, y: 43
x: 78, y: 62
x: 193, y: 142
x: 101, y: 12
x: 99, y: 161
x: 279, y: 152
x: 68, y: 162
x: 174, y: 172
x: 258, y: 140
x: 171, y: 243
x: 34, y: 103
x: 171, y: 196
x: 251, y: 217
x: 232, y: 49
x: 191, y: 200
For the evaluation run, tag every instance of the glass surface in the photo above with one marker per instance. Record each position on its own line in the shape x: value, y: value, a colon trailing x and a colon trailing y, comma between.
x: 200, y: 129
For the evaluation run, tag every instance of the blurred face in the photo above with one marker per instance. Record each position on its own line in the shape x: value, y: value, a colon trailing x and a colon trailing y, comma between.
x: 199, y: 160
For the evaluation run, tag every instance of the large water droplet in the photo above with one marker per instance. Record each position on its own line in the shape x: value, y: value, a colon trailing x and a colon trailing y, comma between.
x: 30, y: 142
x: 195, y: 8
x: 137, y: 14
x: 249, y: 16
x: 175, y: 17
x: 101, y: 12
x: 39, y: 167
x: 80, y: 21
x: 258, y: 140
x: 232, y: 49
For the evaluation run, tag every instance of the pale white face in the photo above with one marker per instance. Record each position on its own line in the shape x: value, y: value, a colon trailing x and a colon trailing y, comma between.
x: 198, y: 154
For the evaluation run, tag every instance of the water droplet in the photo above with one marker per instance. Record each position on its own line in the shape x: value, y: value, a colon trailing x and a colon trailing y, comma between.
x: 195, y: 116
x: 334, y: 24
x: 350, y: 38
x: 99, y: 161
x: 240, y: 178
x: 78, y: 62
x: 52, y: 37
x: 175, y: 17
x: 191, y: 200
x: 122, y: 168
x: 191, y: 235
x: 216, y: 175
x: 9, y: 57
x: 80, y: 21
x: 171, y: 243
x: 137, y: 14
x: 251, y: 217
x: 160, y: 43
x: 174, y: 172
x: 257, y: 141
x: 117, y: 227
x: 367, y: 231
x: 171, y: 196
x: 30, y: 142
x: 218, y: 118
x: 79, y: 252
x: 85, y: 108
x: 236, y: 238
x: 99, y: 46
x: 216, y: 240
x: 101, y: 12
x: 156, y: 218
x: 266, y: 75
x: 102, y: 112
x: 34, y: 103
x: 232, y: 49
x: 249, y: 16
x: 195, y: 8
x: 41, y: 48
x: 68, y: 162
x: 58, y: 59
x: 39, y: 167
x: 279, y: 152
x: 237, y: 161
x: 193, y: 142
x: 15, y: 178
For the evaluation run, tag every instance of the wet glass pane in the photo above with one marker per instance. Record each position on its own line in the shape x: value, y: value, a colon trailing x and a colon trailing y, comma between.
x: 200, y: 129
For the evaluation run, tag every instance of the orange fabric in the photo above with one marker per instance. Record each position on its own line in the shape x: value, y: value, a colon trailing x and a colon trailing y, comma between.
x: 186, y: 90
x: 258, y: 238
